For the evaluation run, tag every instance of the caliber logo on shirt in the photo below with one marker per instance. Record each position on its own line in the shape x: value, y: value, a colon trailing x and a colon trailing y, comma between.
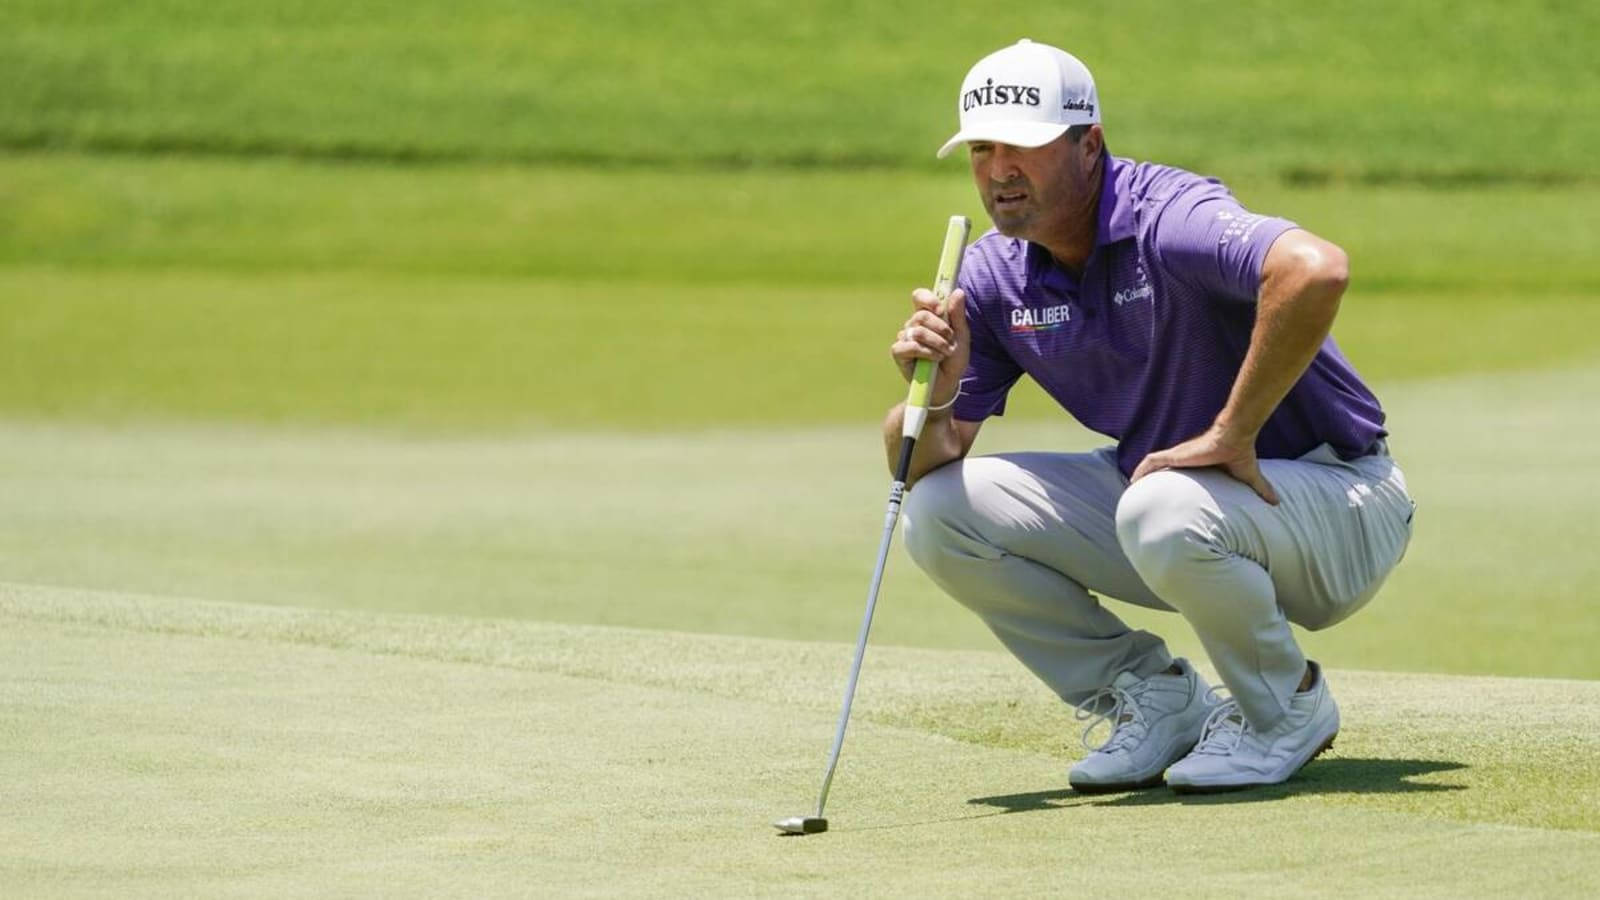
x: 1050, y: 318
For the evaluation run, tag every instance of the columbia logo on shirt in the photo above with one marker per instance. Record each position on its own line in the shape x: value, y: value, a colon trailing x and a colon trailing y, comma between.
x: 1048, y: 319
x: 1128, y: 295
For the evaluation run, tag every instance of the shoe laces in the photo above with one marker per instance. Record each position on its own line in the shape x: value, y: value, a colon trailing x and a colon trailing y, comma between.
x: 1119, y: 707
x: 1225, y: 727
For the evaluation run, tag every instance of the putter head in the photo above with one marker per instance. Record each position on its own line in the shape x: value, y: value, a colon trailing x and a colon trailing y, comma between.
x: 802, y: 825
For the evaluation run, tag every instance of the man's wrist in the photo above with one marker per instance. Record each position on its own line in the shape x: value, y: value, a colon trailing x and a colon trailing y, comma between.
x: 1232, y: 432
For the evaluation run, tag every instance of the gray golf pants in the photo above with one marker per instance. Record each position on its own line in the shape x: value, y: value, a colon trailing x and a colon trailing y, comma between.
x: 1026, y: 540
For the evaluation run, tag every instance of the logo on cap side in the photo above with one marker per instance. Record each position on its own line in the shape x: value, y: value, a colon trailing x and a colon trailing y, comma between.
x: 992, y: 94
x: 1081, y: 105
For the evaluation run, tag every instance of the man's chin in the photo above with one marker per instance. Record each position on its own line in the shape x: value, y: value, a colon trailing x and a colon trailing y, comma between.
x: 1010, y: 227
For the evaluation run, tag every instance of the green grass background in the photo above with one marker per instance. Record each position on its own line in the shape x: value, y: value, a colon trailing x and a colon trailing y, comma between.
x: 1365, y: 89
x: 493, y: 297
x: 448, y: 344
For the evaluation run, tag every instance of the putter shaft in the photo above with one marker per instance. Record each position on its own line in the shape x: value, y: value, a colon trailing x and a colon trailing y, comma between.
x: 915, y: 415
x: 891, y: 516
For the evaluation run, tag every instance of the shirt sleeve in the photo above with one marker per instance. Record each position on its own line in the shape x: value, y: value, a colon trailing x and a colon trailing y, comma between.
x: 1205, y: 238
x: 990, y: 370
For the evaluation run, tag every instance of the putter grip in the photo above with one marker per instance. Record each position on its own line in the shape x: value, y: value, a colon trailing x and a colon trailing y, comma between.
x: 944, y: 281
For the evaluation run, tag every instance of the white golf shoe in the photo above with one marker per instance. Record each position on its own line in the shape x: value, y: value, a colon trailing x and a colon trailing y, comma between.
x: 1154, y: 721
x: 1232, y: 755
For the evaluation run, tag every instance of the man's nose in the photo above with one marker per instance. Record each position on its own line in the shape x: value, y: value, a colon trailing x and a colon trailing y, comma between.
x: 1003, y: 161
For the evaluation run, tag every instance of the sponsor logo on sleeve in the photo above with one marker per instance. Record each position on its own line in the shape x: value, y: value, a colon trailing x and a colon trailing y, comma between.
x: 1241, y: 225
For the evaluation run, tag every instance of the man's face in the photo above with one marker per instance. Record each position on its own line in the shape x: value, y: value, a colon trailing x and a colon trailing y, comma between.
x: 1031, y: 192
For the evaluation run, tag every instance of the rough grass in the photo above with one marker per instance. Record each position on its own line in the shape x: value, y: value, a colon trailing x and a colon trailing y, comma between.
x: 433, y: 755
x: 1364, y: 90
x: 749, y: 228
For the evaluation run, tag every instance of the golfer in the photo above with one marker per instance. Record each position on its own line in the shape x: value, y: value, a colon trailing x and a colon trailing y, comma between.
x: 1250, y: 485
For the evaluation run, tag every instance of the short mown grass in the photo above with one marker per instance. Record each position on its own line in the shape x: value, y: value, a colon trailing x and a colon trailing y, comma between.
x: 159, y: 747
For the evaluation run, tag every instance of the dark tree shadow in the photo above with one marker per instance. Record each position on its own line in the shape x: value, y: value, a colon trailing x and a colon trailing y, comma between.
x: 1328, y: 776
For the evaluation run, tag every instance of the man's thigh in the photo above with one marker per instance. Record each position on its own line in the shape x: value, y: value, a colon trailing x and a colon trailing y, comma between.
x: 1338, y: 530
x: 1057, y: 509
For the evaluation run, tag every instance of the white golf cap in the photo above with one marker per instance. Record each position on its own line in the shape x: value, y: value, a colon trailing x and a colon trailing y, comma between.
x: 1026, y: 95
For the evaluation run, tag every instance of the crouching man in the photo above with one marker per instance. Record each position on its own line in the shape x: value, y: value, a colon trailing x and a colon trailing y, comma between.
x: 1250, y: 485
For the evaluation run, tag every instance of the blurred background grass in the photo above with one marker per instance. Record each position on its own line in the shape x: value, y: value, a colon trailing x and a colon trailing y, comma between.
x: 224, y: 226
x: 494, y: 296
x: 1369, y: 89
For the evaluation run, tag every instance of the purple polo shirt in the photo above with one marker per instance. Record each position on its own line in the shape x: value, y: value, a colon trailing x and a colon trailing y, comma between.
x: 1144, y: 348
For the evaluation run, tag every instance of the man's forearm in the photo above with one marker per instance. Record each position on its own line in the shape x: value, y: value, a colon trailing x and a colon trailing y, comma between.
x: 939, y: 443
x: 1294, y: 315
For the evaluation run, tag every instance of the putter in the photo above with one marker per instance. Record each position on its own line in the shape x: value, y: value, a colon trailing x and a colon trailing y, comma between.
x: 916, y: 414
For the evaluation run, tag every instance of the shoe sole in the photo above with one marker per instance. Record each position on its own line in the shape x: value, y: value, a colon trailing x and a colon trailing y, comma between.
x: 1153, y: 782
x: 1244, y: 786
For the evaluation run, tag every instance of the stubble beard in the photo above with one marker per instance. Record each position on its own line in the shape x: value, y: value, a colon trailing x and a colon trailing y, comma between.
x: 1042, y: 215
x: 1015, y: 223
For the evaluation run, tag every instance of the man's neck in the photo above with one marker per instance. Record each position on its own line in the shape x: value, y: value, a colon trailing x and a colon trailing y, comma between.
x: 1072, y: 244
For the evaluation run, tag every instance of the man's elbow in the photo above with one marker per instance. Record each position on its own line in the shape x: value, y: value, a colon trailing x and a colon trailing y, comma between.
x: 1325, y: 267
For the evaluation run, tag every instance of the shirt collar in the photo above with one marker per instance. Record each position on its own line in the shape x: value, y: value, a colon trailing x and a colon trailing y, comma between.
x: 1116, y: 210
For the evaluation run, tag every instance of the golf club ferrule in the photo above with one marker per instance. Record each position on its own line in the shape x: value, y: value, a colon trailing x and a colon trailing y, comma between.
x: 902, y: 466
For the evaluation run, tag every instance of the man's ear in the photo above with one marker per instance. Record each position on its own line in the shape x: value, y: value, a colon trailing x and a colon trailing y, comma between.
x: 1093, y: 142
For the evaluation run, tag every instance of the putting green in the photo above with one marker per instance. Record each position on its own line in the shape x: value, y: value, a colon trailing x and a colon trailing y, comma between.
x: 160, y: 746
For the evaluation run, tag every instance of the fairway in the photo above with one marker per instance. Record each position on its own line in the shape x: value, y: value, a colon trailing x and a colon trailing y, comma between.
x: 431, y: 756
x: 756, y: 531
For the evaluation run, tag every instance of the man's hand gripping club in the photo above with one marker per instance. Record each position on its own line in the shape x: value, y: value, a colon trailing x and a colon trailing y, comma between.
x: 943, y: 338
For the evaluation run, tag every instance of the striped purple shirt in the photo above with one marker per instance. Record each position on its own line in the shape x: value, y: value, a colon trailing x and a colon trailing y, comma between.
x: 1144, y: 348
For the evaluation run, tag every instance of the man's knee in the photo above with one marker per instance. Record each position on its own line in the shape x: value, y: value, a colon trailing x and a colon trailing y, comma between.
x: 1165, y: 522
x: 934, y: 511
